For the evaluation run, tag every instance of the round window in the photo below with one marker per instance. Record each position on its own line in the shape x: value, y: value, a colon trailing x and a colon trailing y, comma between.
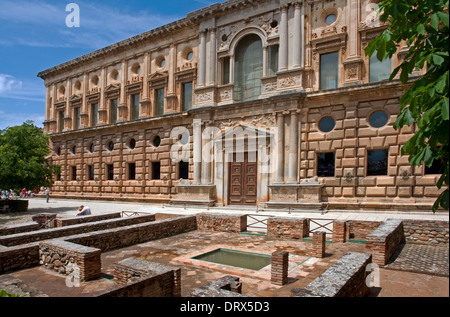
x: 58, y: 151
x: 157, y: 141
x: 330, y: 19
x: 327, y: 124
x: 378, y: 119
x: 132, y: 144
x: 110, y: 145
x: 92, y: 147
x: 74, y: 149
x: 189, y: 56
x: 184, y: 138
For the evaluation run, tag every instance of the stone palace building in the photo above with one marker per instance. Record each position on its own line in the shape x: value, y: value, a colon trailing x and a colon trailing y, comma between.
x: 269, y: 103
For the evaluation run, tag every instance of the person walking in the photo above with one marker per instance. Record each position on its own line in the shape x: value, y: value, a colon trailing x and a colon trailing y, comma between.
x: 47, y: 193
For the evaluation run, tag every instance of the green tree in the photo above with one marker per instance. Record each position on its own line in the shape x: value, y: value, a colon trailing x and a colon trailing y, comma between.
x: 423, y: 25
x: 23, y: 162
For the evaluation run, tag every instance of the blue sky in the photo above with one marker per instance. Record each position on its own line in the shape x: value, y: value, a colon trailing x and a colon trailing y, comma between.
x: 34, y: 37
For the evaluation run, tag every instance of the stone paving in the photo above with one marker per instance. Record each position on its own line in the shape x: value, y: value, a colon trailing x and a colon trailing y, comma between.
x: 427, y: 259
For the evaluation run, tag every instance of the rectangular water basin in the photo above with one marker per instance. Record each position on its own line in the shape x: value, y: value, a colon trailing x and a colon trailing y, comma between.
x: 246, y: 260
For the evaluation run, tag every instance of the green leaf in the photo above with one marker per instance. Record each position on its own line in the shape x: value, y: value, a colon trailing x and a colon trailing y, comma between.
x: 437, y: 60
x: 434, y: 22
x: 444, y: 18
x: 444, y: 109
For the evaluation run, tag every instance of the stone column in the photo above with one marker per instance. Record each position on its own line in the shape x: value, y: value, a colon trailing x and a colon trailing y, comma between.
x: 212, y: 61
x: 293, y: 148
x: 202, y: 59
x: 265, y: 61
x: 298, y: 48
x: 280, y: 148
x: 206, y: 156
x: 197, y: 127
x: 284, y: 37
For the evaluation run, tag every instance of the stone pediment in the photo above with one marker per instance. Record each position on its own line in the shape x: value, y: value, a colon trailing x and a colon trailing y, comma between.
x: 75, y: 97
x: 158, y: 75
x: 112, y: 87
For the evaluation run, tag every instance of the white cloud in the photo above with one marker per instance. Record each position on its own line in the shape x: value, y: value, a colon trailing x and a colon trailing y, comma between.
x: 43, y: 24
x: 8, y: 84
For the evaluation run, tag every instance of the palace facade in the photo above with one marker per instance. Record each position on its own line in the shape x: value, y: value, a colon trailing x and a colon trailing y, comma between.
x: 270, y: 103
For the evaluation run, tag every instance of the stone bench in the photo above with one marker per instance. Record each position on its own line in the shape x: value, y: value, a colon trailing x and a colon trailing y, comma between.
x: 385, y: 240
x: 19, y: 228
x: 70, y: 221
x: 345, y: 278
x: 64, y: 257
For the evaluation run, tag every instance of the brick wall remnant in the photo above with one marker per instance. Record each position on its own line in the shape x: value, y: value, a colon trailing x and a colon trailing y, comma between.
x: 227, y: 286
x: 318, y: 244
x: 221, y: 222
x: 345, y: 278
x: 384, y: 240
x: 291, y: 228
x: 279, y: 267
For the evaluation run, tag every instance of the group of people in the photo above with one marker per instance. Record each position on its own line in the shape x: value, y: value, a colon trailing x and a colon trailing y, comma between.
x: 11, y: 194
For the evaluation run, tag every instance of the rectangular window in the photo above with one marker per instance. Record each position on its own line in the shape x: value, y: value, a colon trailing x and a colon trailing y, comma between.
x: 379, y: 70
x: 156, y: 170
x: 91, y: 172
x: 225, y: 70
x: 60, y: 121
x: 325, y: 164
x: 186, y: 96
x: 135, y: 106
x: 74, y: 173
x: 132, y: 171
x: 94, y: 114
x: 159, y: 101
x: 435, y: 168
x: 329, y: 71
x: 273, y: 60
x: 113, y: 111
x: 183, y: 170
x: 76, y: 118
x: 377, y: 162
x: 110, y: 172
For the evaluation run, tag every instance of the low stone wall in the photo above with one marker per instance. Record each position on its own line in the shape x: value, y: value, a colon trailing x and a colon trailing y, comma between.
x: 64, y: 258
x: 19, y: 257
x: 290, y: 228
x: 426, y: 232
x: 221, y: 222
x: 384, y: 240
x: 345, y: 278
x: 63, y: 222
x: 163, y: 280
x: 23, y: 238
x: 134, y: 234
x: 19, y: 228
x: 227, y: 286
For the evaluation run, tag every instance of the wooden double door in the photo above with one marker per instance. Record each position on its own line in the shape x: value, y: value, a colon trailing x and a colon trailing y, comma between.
x: 243, y: 181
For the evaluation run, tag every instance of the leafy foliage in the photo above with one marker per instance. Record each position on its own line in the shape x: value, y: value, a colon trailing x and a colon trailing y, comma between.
x: 423, y: 25
x: 23, y: 163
